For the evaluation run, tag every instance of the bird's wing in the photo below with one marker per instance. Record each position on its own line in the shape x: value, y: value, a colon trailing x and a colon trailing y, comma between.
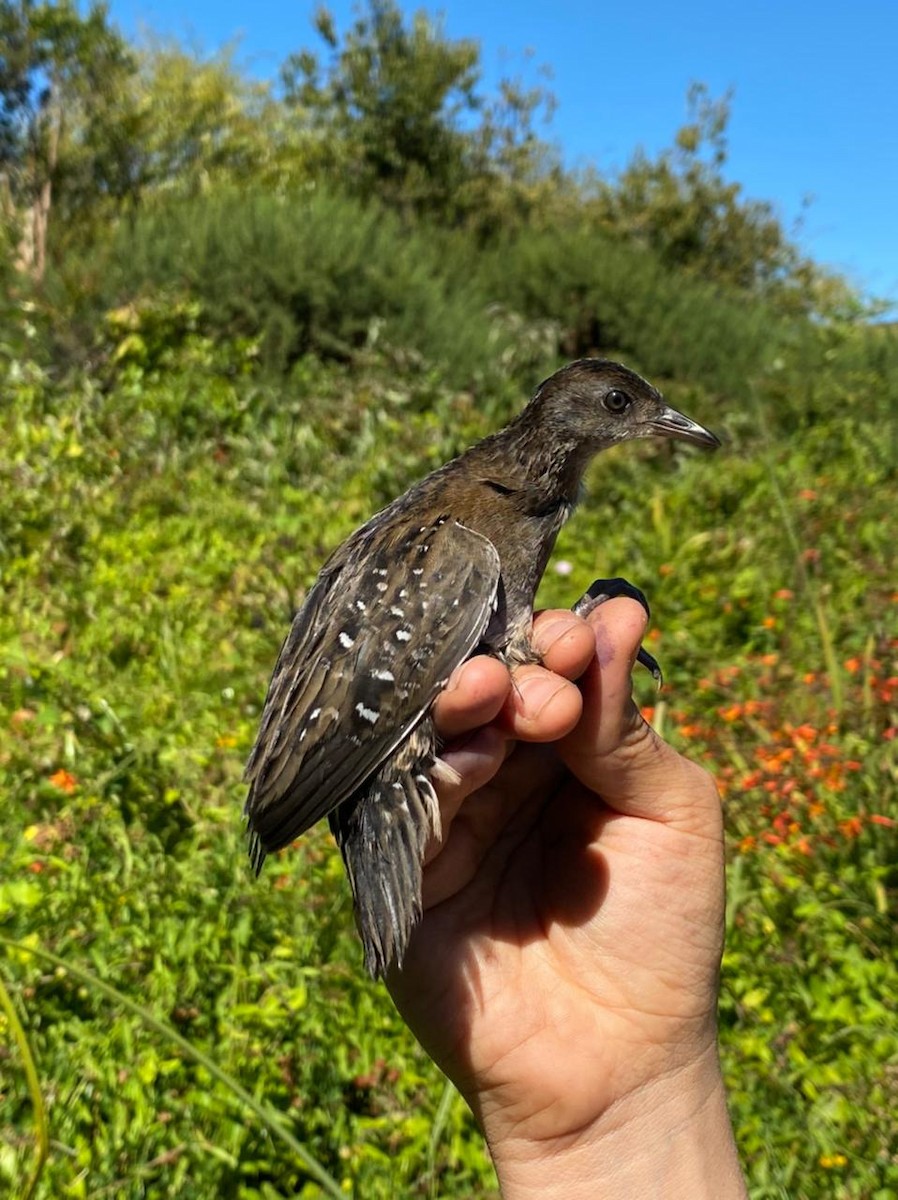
x: 378, y: 636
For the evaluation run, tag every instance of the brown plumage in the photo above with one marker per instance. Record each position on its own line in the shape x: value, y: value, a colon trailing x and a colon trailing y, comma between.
x: 447, y: 570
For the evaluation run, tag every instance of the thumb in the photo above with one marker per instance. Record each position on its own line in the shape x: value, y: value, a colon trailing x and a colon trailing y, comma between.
x: 616, y: 753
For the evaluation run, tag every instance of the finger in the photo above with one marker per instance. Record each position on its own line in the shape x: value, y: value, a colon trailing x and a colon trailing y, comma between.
x: 474, y: 696
x: 615, y: 752
x: 472, y: 763
x: 565, y: 642
x: 541, y: 706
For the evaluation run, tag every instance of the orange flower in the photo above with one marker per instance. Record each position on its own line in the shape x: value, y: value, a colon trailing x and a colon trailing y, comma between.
x: 851, y: 827
x: 853, y: 665
x: 769, y: 622
x: 690, y: 731
x: 748, y: 843
x: 64, y: 781
x: 648, y: 713
x: 809, y: 677
x: 877, y: 819
x: 804, y: 733
x: 807, y: 494
x: 784, y: 594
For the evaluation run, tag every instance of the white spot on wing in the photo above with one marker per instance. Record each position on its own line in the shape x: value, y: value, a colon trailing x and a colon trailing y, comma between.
x: 404, y: 635
x: 346, y: 641
x: 367, y: 714
x: 386, y: 676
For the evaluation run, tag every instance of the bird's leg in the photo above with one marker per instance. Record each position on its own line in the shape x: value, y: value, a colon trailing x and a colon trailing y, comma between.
x: 610, y: 589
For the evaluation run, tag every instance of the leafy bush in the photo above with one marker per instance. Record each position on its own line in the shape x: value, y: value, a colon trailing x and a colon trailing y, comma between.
x: 307, y: 273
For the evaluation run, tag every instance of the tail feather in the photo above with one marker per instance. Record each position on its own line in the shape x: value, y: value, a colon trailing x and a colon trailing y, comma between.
x: 382, y: 831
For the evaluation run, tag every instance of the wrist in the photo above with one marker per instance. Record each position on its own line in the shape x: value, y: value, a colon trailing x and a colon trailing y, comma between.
x: 670, y: 1139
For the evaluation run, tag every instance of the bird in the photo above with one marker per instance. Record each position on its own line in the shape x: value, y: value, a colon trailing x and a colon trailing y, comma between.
x: 448, y: 570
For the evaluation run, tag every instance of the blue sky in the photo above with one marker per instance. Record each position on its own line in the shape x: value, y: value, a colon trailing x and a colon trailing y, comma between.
x: 815, y: 107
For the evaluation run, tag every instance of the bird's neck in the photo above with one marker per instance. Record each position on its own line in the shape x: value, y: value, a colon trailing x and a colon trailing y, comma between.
x: 522, y: 458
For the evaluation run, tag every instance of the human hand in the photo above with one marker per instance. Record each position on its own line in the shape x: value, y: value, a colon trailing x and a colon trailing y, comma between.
x: 565, y: 971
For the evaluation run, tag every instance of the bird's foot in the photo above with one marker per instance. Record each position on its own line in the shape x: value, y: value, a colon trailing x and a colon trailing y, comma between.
x: 610, y: 589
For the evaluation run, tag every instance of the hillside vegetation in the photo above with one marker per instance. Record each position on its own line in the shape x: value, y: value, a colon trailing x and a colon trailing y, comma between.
x: 216, y: 368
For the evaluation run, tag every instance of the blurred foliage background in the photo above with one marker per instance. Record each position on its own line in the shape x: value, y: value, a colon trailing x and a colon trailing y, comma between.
x: 235, y: 318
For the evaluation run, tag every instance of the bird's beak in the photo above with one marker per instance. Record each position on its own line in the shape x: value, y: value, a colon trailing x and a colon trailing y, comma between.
x: 673, y: 424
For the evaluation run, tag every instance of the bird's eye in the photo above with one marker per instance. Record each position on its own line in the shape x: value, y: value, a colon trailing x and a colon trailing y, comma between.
x: 616, y: 401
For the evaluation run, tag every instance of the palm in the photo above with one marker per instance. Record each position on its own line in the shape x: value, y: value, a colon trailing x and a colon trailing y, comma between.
x: 561, y: 971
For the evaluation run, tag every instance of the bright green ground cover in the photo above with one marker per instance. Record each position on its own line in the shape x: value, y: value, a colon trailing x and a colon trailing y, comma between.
x: 154, y: 534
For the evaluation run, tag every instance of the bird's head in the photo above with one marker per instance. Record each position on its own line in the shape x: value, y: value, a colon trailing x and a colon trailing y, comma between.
x: 595, y: 403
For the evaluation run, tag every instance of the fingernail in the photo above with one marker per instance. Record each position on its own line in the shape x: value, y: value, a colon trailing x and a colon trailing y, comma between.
x: 552, y: 632
x: 455, y: 678
x: 537, y: 690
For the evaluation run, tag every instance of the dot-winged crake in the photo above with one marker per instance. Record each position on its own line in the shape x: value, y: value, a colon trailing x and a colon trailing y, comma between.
x: 448, y: 570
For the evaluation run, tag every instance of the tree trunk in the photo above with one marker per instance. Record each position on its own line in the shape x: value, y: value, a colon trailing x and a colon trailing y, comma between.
x: 32, y: 249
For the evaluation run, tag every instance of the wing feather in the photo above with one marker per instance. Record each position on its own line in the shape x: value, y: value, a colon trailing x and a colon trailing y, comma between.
x: 379, y: 634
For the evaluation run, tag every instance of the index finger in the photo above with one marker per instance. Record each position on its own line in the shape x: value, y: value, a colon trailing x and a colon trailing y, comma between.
x: 480, y: 688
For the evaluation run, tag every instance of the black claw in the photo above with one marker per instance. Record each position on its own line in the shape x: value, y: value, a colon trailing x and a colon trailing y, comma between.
x: 609, y: 589
x: 649, y: 661
x: 602, y: 590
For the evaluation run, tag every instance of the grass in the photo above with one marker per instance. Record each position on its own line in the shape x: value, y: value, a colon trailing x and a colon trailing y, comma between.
x: 155, y: 533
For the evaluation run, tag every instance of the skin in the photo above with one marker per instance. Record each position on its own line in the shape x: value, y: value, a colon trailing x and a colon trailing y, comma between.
x: 565, y: 972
